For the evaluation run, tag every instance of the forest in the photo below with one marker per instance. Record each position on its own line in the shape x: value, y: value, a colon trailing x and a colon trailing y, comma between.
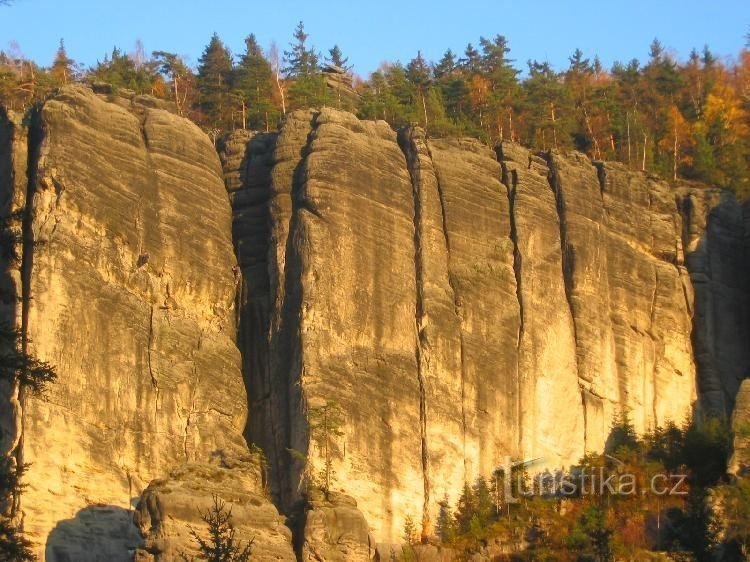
x: 677, y: 119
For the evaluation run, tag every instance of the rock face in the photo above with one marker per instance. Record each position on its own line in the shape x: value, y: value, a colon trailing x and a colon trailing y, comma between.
x: 127, y: 287
x: 340, y: 85
x: 171, y: 507
x: 457, y: 305
x: 411, y: 312
x: 716, y: 236
x: 334, y: 530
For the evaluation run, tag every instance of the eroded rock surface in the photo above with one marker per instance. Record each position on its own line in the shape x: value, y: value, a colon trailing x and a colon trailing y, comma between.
x: 454, y: 304
x: 458, y: 305
x: 715, y: 237
x: 169, y: 508
x: 127, y: 288
x: 334, y: 529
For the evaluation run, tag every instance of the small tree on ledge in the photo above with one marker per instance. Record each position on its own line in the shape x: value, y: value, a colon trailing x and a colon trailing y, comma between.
x: 221, y: 545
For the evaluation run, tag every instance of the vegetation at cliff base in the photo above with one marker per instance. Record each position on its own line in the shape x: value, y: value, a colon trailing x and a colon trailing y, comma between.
x: 666, y: 492
x: 676, y: 118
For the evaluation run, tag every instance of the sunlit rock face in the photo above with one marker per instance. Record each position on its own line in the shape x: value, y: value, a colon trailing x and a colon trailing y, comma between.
x: 127, y: 287
x: 458, y: 304
x: 411, y: 311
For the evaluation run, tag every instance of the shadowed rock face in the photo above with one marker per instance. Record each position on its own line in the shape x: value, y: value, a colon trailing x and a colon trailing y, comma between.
x: 170, y: 507
x: 716, y: 237
x: 453, y: 303
x: 127, y: 287
x: 457, y: 304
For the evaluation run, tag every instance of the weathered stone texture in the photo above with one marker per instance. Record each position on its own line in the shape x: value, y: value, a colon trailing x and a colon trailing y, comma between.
x: 170, y: 507
x: 715, y: 237
x: 622, y: 262
x: 128, y: 290
x: 334, y: 530
x: 458, y: 305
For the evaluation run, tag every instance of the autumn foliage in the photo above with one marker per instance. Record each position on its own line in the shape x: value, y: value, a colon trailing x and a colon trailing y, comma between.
x: 679, y: 119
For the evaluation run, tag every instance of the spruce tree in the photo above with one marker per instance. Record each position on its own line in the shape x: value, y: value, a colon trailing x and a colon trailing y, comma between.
x: 336, y: 58
x: 214, y: 84
x: 63, y: 69
x: 419, y: 73
x: 446, y: 65
x: 308, y: 88
x: 221, y: 545
x: 253, y: 86
x: 301, y: 61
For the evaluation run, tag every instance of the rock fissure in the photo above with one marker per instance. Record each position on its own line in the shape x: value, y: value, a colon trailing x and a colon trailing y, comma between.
x: 457, y: 309
x: 510, y: 181
x: 567, y: 251
x: 414, y: 293
x: 411, y: 148
x: 36, y: 136
x: 149, y: 351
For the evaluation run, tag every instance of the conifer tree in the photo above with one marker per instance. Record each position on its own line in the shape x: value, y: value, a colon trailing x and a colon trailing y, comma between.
x: 503, y: 78
x: 253, y: 86
x: 182, y: 80
x: 221, y: 545
x: 472, y: 59
x: 214, y: 84
x: 446, y: 65
x: 419, y: 73
x: 336, y: 58
x: 301, y: 61
x: 63, y: 69
x: 120, y: 71
x: 308, y: 87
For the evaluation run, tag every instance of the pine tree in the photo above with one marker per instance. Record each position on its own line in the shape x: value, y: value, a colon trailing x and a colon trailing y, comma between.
x: 503, y: 78
x: 214, y: 84
x: 222, y: 545
x: 308, y: 88
x: 326, y: 424
x: 63, y: 67
x: 446, y: 65
x: 336, y: 58
x: 253, y: 86
x: 120, y: 71
x: 13, y: 545
x: 301, y: 61
x: 182, y: 80
x: 472, y: 59
x: 419, y: 73
x: 22, y: 372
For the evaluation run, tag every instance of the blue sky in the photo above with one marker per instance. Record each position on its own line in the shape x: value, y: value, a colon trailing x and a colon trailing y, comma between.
x: 375, y: 31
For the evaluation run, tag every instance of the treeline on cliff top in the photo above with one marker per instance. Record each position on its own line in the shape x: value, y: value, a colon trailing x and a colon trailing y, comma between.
x: 679, y: 119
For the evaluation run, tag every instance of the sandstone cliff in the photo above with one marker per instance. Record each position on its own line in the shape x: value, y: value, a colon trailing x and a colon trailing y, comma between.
x: 127, y: 287
x: 457, y: 304
x: 453, y: 303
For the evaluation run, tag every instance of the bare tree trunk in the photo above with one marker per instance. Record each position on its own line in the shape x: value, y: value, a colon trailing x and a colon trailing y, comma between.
x: 675, y: 148
x: 554, y: 129
x: 645, y: 141
x: 510, y: 123
x: 176, y: 93
x: 273, y: 55
x: 281, y: 93
x: 627, y: 117
x: 244, y: 116
x: 589, y: 128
